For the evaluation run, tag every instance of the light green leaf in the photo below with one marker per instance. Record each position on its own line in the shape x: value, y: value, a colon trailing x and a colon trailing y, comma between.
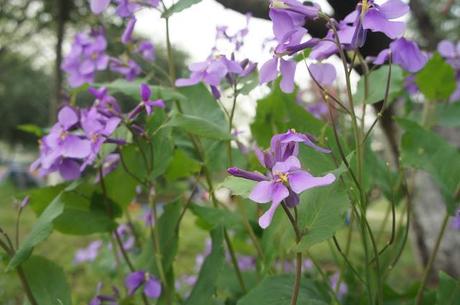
x: 426, y: 150
x: 205, y: 286
x: 132, y: 89
x: 437, y: 79
x: 277, y: 290
x: 214, y: 217
x: 41, y: 229
x: 321, y: 214
x: 238, y: 186
x: 377, y: 81
x: 179, y: 6
x: 47, y: 281
x: 200, y: 127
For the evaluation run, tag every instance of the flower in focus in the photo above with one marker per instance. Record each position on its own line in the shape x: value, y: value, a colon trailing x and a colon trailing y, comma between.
x: 151, y: 285
x: 269, y: 72
x: 405, y: 53
x: 88, y: 254
x: 146, y: 103
x: 86, y: 57
x: 285, y: 179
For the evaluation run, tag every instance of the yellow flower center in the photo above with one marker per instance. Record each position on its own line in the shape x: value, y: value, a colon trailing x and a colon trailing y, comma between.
x: 279, y: 4
x: 365, y: 7
x: 282, y: 178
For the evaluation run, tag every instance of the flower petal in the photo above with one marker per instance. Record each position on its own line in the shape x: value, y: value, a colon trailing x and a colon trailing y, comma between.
x: 300, y: 181
x: 269, y: 71
x: 152, y: 288
x: 262, y: 192
x: 287, y: 69
x: 134, y: 280
x: 67, y: 117
x: 394, y: 9
x: 69, y: 169
x: 291, y: 163
x: 98, y: 6
x: 376, y: 21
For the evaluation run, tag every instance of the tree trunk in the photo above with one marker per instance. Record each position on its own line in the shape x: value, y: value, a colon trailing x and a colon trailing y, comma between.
x: 61, y: 17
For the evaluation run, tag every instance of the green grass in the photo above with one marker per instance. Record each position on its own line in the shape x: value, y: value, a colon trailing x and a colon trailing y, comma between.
x: 84, y: 278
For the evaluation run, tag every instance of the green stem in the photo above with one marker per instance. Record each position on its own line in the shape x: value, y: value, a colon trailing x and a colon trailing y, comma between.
x: 426, y: 273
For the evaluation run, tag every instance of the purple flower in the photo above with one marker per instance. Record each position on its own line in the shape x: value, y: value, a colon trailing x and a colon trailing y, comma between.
x: 126, y: 236
x: 105, y: 103
x: 319, y: 109
x: 62, y: 150
x: 211, y: 72
x: 405, y: 53
x: 378, y: 18
x: 86, y: 57
x: 286, y: 182
x: 98, y: 6
x: 128, y: 32
x: 88, y: 254
x: 343, y: 288
x: 151, y: 285
x: 146, y: 103
x: 456, y: 221
x: 130, y: 69
x: 324, y: 74
x: 287, y: 68
x: 126, y: 8
x: 109, y: 164
x: 147, y: 50
x: 246, y: 262
x: 450, y: 52
x: 25, y: 202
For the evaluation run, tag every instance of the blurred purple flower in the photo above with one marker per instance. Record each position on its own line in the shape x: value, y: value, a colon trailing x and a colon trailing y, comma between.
x: 101, y: 299
x: 127, y: 35
x: 129, y: 69
x: 126, y: 236
x: 88, y: 254
x: 405, y: 53
x: 319, y: 109
x: 86, y: 57
x: 151, y: 285
x: 147, y: 50
x: 456, y: 221
x: 98, y: 6
x: 323, y: 73
x: 146, y: 104
x: 343, y: 288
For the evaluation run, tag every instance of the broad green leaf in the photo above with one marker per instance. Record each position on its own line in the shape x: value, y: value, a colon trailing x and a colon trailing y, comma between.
x: 214, y: 217
x: 199, y: 126
x: 40, y: 230
x: 120, y: 187
x: 238, y: 186
x: 437, y: 79
x: 132, y: 89
x: 205, y: 286
x: 47, y: 281
x: 377, y: 81
x: 448, y: 115
x: 200, y: 103
x: 162, y: 149
x: 134, y: 160
x: 277, y: 290
x: 448, y: 291
x: 321, y: 214
x: 179, y: 6
x: 182, y: 166
x: 40, y: 198
x: 426, y: 150
x: 278, y: 112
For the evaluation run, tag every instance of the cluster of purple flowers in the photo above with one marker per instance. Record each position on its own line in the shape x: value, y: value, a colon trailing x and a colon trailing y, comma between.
x: 86, y: 57
x: 285, y: 179
x: 75, y: 141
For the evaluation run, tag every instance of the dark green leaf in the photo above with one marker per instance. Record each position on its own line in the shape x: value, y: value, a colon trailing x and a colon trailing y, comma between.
x: 206, y: 284
x: 215, y: 217
x: 179, y: 6
x: 277, y: 290
x: 200, y: 127
x: 182, y: 166
x: 120, y: 187
x: 377, y: 81
x: 47, y: 281
x: 448, y: 115
x: 437, y: 79
x: 426, y: 150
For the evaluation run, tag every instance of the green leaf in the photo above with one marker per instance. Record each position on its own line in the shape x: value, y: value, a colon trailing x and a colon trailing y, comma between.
x: 426, y: 150
x: 377, y: 81
x: 40, y: 198
x: 182, y: 166
x: 132, y: 89
x: 437, y: 79
x: 47, y: 281
x: 278, y: 112
x: 179, y: 6
x: 200, y: 127
x: 40, y: 231
x: 448, y: 291
x: 214, y: 217
x: 163, y: 148
x: 321, y: 214
x: 238, y: 186
x: 120, y: 187
x: 277, y: 290
x: 205, y: 286
x: 32, y: 129
x: 448, y: 115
